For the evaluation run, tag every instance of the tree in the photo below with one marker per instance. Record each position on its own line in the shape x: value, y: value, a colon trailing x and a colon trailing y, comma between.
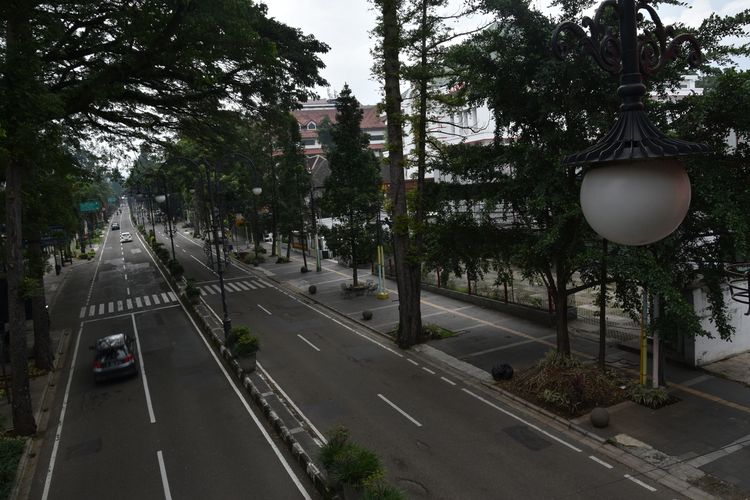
x: 122, y: 69
x: 353, y: 187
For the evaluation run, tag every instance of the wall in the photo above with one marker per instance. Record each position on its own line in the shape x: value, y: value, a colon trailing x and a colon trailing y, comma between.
x: 708, y: 350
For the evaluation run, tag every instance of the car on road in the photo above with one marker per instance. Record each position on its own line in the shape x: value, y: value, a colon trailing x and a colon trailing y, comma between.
x: 114, y: 356
x: 115, y: 226
x: 125, y: 237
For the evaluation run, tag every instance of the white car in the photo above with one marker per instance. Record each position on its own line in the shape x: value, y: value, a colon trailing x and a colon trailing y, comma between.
x: 125, y: 237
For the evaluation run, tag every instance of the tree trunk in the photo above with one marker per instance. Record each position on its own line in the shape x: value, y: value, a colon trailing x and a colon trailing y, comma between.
x: 603, y: 309
x: 561, y: 306
x: 407, y: 275
x: 43, y: 356
x: 19, y: 116
x: 289, y: 245
x: 353, y: 247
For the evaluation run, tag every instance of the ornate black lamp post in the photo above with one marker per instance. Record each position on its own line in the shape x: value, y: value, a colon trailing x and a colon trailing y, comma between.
x: 635, y: 190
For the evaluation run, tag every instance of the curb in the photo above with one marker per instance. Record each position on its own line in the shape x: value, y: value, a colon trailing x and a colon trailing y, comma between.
x: 661, y: 475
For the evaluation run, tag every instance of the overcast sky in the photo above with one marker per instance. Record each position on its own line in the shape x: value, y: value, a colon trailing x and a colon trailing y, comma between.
x: 345, y: 26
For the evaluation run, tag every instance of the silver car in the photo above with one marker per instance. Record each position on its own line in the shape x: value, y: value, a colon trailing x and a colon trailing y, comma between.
x: 114, y: 356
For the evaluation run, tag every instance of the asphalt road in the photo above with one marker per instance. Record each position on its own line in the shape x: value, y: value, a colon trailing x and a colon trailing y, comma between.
x: 439, y: 436
x: 180, y: 429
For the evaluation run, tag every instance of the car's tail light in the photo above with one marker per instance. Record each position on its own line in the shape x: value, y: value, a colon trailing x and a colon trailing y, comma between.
x: 97, y: 364
x: 129, y: 358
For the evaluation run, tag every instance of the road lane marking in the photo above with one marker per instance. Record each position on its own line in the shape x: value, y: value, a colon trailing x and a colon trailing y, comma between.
x: 265, y: 310
x: 147, y: 300
x: 289, y: 400
x: 129, y: 304
x: 163, y: 471
x: 83, y: 312
x: 264, y: 282
x: 128, y: 289
x: 155, y: 299
x: 402, y: 412
x: 165, y: 298
x: 526, y: 422
x: 240, y: 285
x: 183, y: 250
x: 231, y: 287
x: 203, y: 292
x: 447, y: 380
x: 111, y: 307
x: 600, y: 461
x: 412, y: 362
x: 428, y: 370
x: 640, y: 483
x: 138, y: 302
x: 250, y: 285
x: 119, y: 305
x: 204, y: 265
x: 231, y: 382
x: 92, y: 310
x: 216, y: 288
x: 143, y: 373
x: 308, y: 342
x: 172, y: 296
x: 101, y: 308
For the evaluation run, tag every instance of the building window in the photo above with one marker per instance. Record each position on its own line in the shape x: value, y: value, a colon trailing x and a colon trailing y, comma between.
x: 308, y: 142
x: 377, y: 137
x: 311, y: 126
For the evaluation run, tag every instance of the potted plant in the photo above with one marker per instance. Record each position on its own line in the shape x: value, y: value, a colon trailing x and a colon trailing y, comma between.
x: 244, y: 346
x: 192, y: 293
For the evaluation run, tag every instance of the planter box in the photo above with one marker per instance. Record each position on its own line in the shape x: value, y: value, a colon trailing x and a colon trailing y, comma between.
x: 247, y: 363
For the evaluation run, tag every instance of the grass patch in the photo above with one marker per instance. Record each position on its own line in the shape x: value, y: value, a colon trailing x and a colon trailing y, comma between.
x: 10, y: 453
x: 432, y: 331
x: 564, y: 385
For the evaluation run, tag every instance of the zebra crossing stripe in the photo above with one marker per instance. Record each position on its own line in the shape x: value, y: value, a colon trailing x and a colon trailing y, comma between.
x: 249, y: 284
x: 92, y: 310
x: 119, y: 305
x: 101, y: 308
x: 83, y: 312
x: 266, y: 283
x: 130, y: 304
x: 239, y: 284
x: 147, y: 301
x: 216, y: 288
x: 231, y: 287
x: 156, y: 299
x: 172, y: 296
x: 111, y: 307
x: 138, y: 302
x: 165, y: 298
x: 203, y: 292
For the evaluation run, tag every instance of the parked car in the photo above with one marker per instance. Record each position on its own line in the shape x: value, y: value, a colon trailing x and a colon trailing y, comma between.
x: 114, y: 356
x: 115, y: 226
x: 125, y: 237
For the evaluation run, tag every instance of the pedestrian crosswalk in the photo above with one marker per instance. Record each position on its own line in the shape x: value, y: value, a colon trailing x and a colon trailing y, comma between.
x: 234, y: 286
x: 132, y: 304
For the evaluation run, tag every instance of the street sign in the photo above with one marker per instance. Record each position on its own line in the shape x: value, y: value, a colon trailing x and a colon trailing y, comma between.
x: 89, y: 206
x: 112, y: 200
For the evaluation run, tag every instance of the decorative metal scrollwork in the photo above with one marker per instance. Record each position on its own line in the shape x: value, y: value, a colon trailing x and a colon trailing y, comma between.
x: 603, y: 45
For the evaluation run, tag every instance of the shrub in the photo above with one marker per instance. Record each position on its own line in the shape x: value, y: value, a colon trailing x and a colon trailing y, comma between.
x: 282, y: 260
x: 303, y: 269
x: 10, y: 453
x: 83, y: 256
x: 348, y: 462
x: 376, y: 488
x: 191, y: 291
x: 433, y: 331
x: 242, y: 342
x: 338, y: 438
x: 162, y: 253
x: 652, y: 397
x: 175, y: 268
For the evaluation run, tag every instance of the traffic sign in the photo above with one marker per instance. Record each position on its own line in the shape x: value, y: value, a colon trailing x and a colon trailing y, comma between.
x: 89, y: 206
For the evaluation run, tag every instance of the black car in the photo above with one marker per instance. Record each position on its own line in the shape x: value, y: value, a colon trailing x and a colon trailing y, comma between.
x: 114, y: 356
x: 115, y: 226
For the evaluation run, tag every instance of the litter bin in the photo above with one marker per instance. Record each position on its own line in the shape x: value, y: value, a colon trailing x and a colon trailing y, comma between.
x: 325, y: 254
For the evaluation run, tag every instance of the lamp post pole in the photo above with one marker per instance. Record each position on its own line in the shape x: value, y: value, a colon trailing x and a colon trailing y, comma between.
x: 212, y: 189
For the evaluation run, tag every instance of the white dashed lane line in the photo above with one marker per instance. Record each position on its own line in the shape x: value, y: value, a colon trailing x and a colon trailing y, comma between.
x: 412, y: 362
x: 308, y: 342
x: 640, y: 483
x: 600, y: 461
x: 447, y: 380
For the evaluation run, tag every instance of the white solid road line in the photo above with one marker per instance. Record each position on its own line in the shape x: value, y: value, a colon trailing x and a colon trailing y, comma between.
x: 163, y: 471
x: 143, y: 374
x: 526, y: 422
x: 640, y: 483
x: 308, y: 342
x: 265, y: 310
x: 600, y: 461
x: 402, y: 412
x: 204, y: 265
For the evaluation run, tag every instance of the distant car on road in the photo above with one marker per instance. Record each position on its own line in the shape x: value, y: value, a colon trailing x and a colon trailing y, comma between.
x: 114, y: 356
x: 115, y: 226
x: 125, y: 237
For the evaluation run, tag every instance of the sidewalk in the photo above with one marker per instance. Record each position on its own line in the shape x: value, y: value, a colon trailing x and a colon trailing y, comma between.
x: 702, y: 439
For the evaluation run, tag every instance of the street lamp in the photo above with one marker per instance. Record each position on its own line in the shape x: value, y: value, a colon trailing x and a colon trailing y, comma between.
x: 164, y: 198
x: 635, y: 191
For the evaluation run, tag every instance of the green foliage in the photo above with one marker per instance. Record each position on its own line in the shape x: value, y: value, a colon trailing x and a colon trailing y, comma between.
x: 161, y: 252
x: 348, y: 462
x: 242, y: 342
x: 653, y: 397
x: 433, y: 331
x: 377, y: 488
x: 10, y: 453
x: 175, y: 268
x: 191, y: 291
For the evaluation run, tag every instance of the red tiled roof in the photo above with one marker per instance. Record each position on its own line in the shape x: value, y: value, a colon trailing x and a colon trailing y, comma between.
x: 370, y: 119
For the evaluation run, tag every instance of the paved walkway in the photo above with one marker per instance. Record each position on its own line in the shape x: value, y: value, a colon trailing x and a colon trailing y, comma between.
x: 703, y: 438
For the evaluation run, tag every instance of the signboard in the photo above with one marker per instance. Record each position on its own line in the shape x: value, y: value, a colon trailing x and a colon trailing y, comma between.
x: 89, y: 206
x: 112, y: 199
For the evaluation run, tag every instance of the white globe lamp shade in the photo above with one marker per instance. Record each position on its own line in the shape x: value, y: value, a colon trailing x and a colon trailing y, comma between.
x: 636, y: 203
x: 160, y: 198
x: 257, y: 191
